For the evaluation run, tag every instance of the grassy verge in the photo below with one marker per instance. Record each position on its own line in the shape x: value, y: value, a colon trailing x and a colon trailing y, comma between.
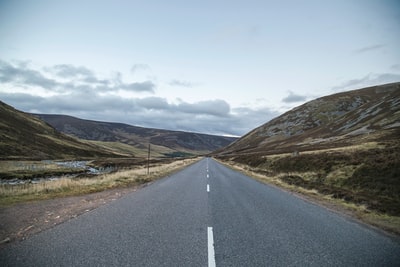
x: 11, y: 194
x: 363, y: 182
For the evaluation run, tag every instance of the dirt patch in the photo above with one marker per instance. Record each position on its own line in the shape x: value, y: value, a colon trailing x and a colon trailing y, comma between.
x: 25, y: 219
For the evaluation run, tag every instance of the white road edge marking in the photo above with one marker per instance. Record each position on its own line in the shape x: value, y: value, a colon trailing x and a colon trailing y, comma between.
x: 211, y: 253
x: 208, y: 188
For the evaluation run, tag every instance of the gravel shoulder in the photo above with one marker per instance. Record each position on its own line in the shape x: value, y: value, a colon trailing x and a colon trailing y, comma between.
x: 20, y: 221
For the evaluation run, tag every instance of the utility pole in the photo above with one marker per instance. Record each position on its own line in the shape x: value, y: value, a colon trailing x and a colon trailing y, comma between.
x: 148, y: 161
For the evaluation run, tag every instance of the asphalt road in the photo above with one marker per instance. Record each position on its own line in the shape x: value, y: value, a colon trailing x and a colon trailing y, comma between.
x: 207, y: 215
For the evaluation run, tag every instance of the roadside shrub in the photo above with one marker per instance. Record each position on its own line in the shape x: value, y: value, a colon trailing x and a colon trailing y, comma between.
x: 253, y: 160
x: 309, y: 162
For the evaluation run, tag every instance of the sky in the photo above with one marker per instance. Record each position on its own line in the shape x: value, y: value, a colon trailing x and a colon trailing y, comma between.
x: 216, y: 67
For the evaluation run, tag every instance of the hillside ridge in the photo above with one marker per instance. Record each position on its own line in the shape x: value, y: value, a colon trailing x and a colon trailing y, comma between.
x: 136, y: 136
x: 23, y: 136
x: 336, y: 120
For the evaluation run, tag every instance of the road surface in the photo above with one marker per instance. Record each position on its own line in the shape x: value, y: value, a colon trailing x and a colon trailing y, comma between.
x: 207, y: 215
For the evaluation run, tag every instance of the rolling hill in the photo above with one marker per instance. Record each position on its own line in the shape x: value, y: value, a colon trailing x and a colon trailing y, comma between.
x: 23, y: 136
x: 343, y: 146
x: 175, y: 142
x: 348, y: 118
x: 29, y: 136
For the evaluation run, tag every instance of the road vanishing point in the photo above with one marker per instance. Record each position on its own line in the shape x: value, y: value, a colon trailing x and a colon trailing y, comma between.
x: 207, y: 215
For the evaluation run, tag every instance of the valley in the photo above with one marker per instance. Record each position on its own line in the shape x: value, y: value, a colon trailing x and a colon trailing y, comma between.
x: 341, y: 150
x: 43, y: 148
x: 128, y: 140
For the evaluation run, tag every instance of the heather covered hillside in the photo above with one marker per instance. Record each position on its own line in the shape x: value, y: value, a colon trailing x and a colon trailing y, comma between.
x: 23, y: 136
x: 173, y: 142
x: 345, y: 146
x: 29, y: 136
x: 348, y: 118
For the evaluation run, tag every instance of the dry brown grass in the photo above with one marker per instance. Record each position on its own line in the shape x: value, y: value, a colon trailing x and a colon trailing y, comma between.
x: 20, y: 169
x: 65, y: 186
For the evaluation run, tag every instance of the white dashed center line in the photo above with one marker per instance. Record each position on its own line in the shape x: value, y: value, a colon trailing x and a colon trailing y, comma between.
x: 210, y: 236
x: 211, y: 253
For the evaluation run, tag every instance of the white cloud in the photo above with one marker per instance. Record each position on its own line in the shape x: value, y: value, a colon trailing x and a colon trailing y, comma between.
x: 369, y: 48
x: 139, y: 67
x: 22, y: 75
x: 218, y: 108
x: 67, y: 79
x: 181, y: 83
x: 293, y: 98
x: 395, y: 67
x: 70, y: 71
x: 77, y: 91
x: 370, y: 79
x: 153, y: 103
x: 146, y: 86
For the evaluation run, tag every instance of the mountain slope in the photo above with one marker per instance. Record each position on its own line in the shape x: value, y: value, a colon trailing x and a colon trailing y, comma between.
x: 344, y: 146
x: 139, y: 137
x: 24, y: 136
x: 337, y: 120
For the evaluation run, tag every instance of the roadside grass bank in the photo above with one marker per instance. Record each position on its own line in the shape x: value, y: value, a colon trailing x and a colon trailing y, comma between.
x: 361, y: 181
x: 85, y: 184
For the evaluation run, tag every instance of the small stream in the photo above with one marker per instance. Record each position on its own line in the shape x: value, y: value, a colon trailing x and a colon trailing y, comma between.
x: 79, y: 165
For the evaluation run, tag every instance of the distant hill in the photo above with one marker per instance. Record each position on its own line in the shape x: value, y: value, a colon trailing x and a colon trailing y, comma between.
x: 23, y: 136
x: 176, y: 142
x: 348, y: 118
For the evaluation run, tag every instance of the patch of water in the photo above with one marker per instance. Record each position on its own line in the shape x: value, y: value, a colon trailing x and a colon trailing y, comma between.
x: 68, y: 164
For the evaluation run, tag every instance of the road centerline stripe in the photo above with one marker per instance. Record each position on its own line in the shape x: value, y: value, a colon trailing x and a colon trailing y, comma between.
x: 208, y: 188
x: 211, y: 252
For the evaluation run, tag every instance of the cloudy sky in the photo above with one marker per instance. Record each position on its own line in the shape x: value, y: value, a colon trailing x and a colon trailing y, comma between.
x: 218, y: 67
